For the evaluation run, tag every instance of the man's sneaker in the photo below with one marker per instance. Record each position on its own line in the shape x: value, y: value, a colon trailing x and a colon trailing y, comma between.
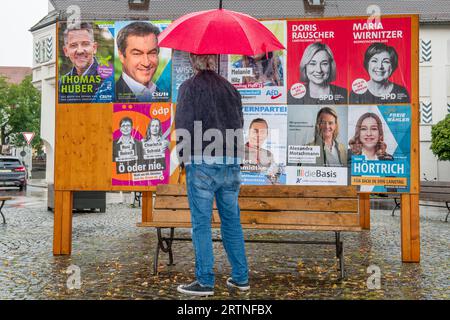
x: 195, y: 289
x: 240, y: 286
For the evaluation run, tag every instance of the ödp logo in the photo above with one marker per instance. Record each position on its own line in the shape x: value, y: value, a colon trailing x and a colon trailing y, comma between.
x: 161, y: 112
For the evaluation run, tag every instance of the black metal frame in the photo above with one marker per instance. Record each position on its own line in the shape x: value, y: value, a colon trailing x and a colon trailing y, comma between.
x: 397, y: 206
x: 447, y: 205
x: 137, y: 198
x: 165, y: 245
x: 1, y: 212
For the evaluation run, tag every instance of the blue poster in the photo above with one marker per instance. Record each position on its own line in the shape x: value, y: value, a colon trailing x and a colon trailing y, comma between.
x: 265, y: 131
x: 379, y: 145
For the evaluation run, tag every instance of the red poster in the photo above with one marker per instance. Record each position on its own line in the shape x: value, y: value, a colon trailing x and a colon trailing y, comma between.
x: 318, y: 62
x: 380, y: 61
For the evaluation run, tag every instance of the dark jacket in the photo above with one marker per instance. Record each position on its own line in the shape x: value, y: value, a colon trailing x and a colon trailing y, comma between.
x: 74, y: 97
x: 211, y: 99
x: 124, y: 93
x: 132, y: 155
x: 399, y: 95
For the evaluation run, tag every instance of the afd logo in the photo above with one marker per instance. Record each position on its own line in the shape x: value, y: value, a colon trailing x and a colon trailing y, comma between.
x: 274, y: 94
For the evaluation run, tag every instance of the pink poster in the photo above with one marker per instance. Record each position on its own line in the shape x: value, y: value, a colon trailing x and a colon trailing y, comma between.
x: 141, y: 143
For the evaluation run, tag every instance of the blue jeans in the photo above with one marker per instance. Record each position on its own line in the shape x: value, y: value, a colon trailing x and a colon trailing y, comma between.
x: 204, y: 182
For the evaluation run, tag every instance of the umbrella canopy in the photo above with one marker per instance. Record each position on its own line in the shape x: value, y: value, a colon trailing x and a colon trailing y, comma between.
x: 219, y: 31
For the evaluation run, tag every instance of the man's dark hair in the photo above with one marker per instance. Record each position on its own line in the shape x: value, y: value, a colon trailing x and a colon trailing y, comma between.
x: 259, y: 120
x: 138, y: 29
x: 126, y: 119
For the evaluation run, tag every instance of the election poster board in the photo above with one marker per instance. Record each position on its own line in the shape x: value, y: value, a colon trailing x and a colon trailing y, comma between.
x: 351, y: 66
x: 380, y: 147
x: 86, y: 62
x: 261, y: 78
x: 142, y: 73
x: 141, y: 144
x: 265, y: 145
x: 318, y: 61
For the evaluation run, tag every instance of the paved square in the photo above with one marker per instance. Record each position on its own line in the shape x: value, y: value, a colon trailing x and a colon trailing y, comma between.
x: 115, y: 260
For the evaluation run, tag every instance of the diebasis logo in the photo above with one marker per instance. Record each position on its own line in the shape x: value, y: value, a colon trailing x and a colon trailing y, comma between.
x: 316, y: 176
x: 317, y: 173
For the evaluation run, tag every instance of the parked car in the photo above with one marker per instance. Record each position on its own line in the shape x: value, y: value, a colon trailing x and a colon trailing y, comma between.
x: 13, y: 172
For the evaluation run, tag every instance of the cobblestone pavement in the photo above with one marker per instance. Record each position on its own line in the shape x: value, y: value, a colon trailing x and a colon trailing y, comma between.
x: 115, y: 258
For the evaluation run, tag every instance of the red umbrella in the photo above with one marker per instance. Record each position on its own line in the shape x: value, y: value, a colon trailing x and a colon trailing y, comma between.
x: 219, y: 31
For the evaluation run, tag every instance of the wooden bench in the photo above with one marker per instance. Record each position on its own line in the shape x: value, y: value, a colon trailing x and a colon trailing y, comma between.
x: 333, y: 209
x: 3, y: 200
x: 435, y: 191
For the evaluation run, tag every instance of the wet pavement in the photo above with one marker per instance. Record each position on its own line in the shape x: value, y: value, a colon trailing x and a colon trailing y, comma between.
x: 115, y: 258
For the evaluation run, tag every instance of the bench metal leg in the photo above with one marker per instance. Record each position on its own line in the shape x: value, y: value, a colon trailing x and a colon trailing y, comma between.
x: 137, y: 198
x: 340, y: 255
x: 448, y: 208
x: 165, y: 245
x: 1, y: 212
x: 397, y: 206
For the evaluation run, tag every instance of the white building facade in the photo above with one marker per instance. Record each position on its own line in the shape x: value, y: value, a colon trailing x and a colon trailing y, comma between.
x: 434, y: 74
x: 434, y: 92
x: 44, y: 77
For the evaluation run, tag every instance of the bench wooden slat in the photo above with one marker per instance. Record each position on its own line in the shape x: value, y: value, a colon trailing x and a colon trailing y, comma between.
x: 5, y: 198
x: 256, y: 226
x: 434, y: 196
x: 443, y: 184
x: 274, y: 191
x: 292, y: 204
x: 442, y: 190
x: 252, y: 217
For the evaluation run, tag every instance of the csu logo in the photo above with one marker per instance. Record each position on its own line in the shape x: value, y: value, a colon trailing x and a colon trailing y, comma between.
x: 274, y: 94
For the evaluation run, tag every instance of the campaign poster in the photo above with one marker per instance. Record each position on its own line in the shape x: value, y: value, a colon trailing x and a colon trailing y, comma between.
x: 317, y: 152
x: 265, y: 145
x: 261, y: 78
x: 317, y: 62
x: 141, y: 144
x: 182, y: 70
x: 86, y: 62
x: 380, y: 147
x: 380, y: 61
x: 142, y: 73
